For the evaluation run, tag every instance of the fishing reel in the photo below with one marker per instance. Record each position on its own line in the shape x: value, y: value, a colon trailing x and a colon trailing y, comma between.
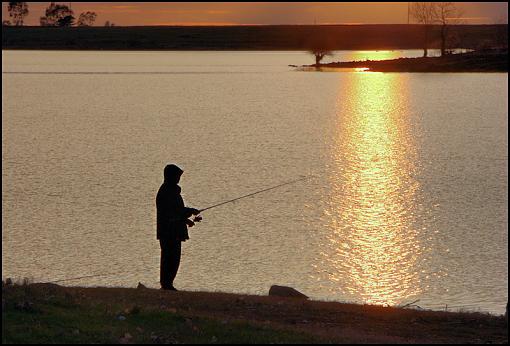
x: 192, y: 222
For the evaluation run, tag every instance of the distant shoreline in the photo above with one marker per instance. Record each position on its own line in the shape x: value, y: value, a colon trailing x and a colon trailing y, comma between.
x: 249, y: 38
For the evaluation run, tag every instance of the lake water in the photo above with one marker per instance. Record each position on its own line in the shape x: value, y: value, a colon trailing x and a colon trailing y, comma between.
x: 408, y: 198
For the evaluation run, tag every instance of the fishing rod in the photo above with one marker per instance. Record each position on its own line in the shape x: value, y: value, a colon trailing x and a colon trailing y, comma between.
x: 198, y: 218
x: 253, y: 193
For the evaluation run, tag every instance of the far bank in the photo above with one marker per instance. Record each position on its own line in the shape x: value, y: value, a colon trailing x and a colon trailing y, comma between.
x: 260, y: 37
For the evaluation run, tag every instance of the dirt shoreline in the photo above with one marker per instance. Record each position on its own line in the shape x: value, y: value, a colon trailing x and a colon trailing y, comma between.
x: 315, y: 320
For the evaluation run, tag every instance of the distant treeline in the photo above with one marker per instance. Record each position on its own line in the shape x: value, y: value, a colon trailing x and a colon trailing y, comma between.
x: 274, y: 37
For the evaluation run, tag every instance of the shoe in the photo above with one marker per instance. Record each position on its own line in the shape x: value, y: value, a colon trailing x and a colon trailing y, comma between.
x: 169, y: 288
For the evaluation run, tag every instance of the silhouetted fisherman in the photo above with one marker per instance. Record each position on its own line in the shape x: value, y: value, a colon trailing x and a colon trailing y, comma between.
x: 172, y: 225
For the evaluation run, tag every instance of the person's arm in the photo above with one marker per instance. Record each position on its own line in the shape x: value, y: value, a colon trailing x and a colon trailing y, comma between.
x: 180, y: 212
x: 191, y: 211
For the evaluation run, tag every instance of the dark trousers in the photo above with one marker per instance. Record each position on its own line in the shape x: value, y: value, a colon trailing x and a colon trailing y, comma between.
x: 170, y: 260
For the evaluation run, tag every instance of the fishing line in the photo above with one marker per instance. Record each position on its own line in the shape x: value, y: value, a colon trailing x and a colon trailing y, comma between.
x: 200, y: 210
x: 81, y: 277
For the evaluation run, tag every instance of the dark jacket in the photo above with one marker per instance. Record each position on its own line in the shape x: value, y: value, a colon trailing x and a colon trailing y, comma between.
x: 171, y: 212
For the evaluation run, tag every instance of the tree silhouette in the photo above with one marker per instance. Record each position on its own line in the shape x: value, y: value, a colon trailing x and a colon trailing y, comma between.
x: 446, y: 14
x: 87, y: 19
x: 424, y: 13
x: 319, y: 45
x: 58, y: 15
x: 66, y: 21
x: 17, y: 11
x: 320, y: 54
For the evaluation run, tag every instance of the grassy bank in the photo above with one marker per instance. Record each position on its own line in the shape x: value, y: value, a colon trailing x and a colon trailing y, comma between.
x: 45, y: 313
x: 485, y: 61
x: 52, y: 314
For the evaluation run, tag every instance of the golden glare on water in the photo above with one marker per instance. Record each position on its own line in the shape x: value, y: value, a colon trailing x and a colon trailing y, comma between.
x: 373, y: 55
x: 374, y: 244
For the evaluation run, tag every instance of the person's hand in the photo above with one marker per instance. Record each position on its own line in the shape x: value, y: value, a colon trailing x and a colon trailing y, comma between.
x: 194, y: 211
x: 190, y: 223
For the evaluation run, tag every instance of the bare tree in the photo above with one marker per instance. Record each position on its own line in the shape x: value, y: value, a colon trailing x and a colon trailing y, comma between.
x: 424, y: 13
x: 319, y: 45
x: 446, y: 14
x: 17, y: 11
x: 87, y: 18
x: 320, y: 54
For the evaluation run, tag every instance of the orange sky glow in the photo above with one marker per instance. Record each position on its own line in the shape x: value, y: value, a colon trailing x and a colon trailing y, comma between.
x: 260, y: 13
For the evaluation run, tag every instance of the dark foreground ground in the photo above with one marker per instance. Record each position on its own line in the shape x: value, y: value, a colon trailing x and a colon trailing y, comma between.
x: 45, y: 313
x: 480, y: 61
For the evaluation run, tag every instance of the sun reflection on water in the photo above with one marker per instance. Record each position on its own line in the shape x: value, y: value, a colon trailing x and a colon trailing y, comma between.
x: 374, y: 55
x: 374, y: 244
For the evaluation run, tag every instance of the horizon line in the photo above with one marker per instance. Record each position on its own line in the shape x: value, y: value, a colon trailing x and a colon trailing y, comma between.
x: 236, y: 24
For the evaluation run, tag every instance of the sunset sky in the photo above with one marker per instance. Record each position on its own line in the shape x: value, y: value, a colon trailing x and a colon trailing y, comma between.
x: 232, y: 13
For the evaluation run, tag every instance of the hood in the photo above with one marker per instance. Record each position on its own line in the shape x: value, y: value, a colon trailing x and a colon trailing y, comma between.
x: 172, y: 174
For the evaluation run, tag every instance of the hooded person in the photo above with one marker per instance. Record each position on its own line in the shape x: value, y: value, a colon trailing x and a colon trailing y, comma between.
x: 172, y: 225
